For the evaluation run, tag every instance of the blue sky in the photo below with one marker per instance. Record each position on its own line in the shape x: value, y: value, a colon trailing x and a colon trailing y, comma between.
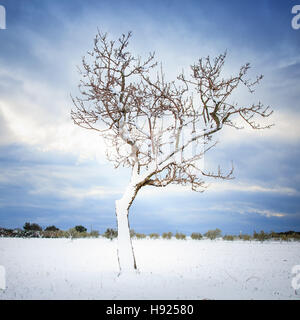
x: 52, y: 172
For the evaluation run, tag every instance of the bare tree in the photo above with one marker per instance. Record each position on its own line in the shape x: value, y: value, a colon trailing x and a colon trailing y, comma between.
x: 159, y: 129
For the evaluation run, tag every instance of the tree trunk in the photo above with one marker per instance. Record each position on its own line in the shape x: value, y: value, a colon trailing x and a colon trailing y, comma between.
x: 125, y: 250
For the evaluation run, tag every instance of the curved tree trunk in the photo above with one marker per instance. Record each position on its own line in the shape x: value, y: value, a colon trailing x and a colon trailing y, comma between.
x: 125, y: 250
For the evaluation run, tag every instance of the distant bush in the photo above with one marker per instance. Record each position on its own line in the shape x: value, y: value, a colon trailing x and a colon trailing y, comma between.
x: 132, y: 233
x: 31, y: 234
x: 180, y: 236
x: 140, y: 235
x: 51, y: 228
x: 285, y: 237
x: 262, y: 236
x: 62, y: 234
x: 110, y: 234
x: 255, y: 235
x: 213, y: 234
x: 274, y: 235
x: 228, y: 238
x: 11, y: 233
x: 167, y: 235
x: 49, y: 234
x: 32, y: 227
x: 296, y: 236
x: 55, y: 234
x: 154, y: 235
x: 80, y: 229
x: 74, y: 234
x: 245, y: 237
x: 84, y: 234
x: 196, y: 236
x: 94, y: 234
x: 289, y: 236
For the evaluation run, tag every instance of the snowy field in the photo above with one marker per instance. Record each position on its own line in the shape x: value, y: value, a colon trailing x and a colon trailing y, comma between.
x: 168, y: 269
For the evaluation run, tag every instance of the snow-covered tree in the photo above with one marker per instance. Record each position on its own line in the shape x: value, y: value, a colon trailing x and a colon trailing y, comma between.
x: 160, y: 129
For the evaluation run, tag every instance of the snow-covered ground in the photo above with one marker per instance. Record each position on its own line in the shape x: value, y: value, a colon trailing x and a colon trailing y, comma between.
x: 169, y: 269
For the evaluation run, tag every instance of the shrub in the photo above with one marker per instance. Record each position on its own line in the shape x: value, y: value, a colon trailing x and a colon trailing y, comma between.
x: 49, y: 234
x: 27, y: 226
x: 274, y: 235
x: 17, y: 232
x: 110, y: 233
x: 80, y: 229
x: 154, y: 235
x: 180, y: 236
x: 140, y: 235
x: 32, y: 234
x: 196, y: 236
x: 73, y: 233
x: 32, y: 227
x: 296, y: 236
x: 55, y: 234
x: 9, y: 232
x: 213, y: 234
x: 84, y: 235
x: 94, y: 234
x: 62, y: 234
x: 284, y: 237
x: 262, y: 236
x: 167, y: 235
x: 245, y: 237
x: 132, y: 233
x: 51, y: 228
x: 228, y: 238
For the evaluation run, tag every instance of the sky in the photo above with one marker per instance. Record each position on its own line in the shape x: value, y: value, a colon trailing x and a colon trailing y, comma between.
x: 55, y: 173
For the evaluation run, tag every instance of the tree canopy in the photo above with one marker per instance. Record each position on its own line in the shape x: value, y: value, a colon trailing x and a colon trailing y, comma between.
x: 157, y: 127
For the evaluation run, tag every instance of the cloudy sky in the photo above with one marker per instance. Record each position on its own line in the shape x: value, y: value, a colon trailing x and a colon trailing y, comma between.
x: 52, y: 172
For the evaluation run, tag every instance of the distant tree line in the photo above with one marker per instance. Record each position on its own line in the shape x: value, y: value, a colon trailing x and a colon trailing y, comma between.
x: 33, y: 230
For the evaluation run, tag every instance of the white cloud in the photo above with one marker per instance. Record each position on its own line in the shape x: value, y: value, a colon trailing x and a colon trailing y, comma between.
x: 267, y: 213
x: 219, y: 187
x: 95, y: 192
x: 27, y: 127
x: 286, y: 129
x: 241, y: 208
x: 224, y: 186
